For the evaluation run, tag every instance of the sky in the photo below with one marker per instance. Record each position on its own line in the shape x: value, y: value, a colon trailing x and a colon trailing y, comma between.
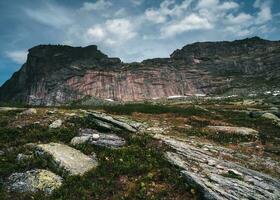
x: 132, y: 30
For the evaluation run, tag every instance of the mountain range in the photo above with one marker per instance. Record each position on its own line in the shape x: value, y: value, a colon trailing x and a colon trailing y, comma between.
x: 59, y: 74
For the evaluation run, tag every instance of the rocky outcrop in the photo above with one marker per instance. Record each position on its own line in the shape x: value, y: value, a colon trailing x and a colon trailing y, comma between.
x: 66, y: 158
x: 94, y: 137
x: 55, y: 74
x: 37, y: 180
x: 244, y: 131
x: 216, y: 178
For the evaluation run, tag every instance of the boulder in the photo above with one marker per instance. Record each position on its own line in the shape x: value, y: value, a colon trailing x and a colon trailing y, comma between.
x: 270, y: 116
x: 30, y: 111
x: 66, y: 158
x: 56, y: 124
x: 109, y: 119
x: 216, y: 178
x: 36, y: 180
x: 91, y: 136
x: 232, y: 130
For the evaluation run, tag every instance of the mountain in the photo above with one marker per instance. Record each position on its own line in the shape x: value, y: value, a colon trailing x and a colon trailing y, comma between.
x: 57, y: 74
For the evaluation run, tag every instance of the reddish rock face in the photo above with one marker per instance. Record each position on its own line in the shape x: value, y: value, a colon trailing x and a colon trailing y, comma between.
x: 55, y: 75
x: 132, y: 85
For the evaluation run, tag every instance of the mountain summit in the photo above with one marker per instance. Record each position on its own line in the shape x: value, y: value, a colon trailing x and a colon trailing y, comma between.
x: 57, y: 74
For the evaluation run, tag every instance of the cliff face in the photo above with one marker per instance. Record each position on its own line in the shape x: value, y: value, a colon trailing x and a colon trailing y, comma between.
x: 54, y: 75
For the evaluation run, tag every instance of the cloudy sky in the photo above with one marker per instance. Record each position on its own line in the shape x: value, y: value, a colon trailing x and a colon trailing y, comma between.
x: 130, y: 29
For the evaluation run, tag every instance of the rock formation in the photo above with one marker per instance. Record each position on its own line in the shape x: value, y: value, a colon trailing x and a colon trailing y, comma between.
x: 55, y: 74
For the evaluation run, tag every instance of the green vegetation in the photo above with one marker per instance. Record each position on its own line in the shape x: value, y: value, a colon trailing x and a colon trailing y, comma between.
x: 128, y: 109
x: 136, y: 171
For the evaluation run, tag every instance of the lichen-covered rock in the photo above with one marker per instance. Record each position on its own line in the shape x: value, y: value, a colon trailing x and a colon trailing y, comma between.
x: 104, y: 118
x: 270, y: 116
x: 56, y: 124
x: 217, y: 179
x: 66, y: 158
x: 91, y: 136
x: 233, y: 130
x: 37, y: 180
x: 30, y: 111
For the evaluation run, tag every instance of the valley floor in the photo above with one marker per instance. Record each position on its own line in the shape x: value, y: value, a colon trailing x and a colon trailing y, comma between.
x: 171, y: 150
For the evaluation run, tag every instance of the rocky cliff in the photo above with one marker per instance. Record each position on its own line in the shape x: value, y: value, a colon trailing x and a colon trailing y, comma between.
x: 55, y: 74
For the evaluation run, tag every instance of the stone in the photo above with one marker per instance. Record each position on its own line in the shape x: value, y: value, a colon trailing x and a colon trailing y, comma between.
x: 10, y: 109
x: 66, y: 158
x: 224, y: 180
x: 91, y: 136
x: 270, y: 116
x: 233, y: 130
x: 29, y: 111
x: 56, y: 124
x: 36, y: 180
x: 80, y: 140
x: 109, y: 119
x: 23, y: 157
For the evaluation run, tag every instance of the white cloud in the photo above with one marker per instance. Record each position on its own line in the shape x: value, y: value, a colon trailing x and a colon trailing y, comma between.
x: 113, y: 31
x: 189, y: 23
x: 122, y: 28
x: 167, y: 9
x: 264, y: 14
x: 49, y: 14
x: 241, y: 18
x: 97, y: 33
x: 18, y: 57
x: 98, y: 5
x: 207, y: 3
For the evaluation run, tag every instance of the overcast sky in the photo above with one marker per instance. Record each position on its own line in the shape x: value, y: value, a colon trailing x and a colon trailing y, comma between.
x: 130, y: 29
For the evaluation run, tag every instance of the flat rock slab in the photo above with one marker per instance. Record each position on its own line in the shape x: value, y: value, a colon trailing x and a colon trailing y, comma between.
x: 115, y: 122
x: 11, y: 109
x: 100, y: 139
x: 67, y: 158
x: 34, y: 181
x: 233, y: 130
x: 217, y: 178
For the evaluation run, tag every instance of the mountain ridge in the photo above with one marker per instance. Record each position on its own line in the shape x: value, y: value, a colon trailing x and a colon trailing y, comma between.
x: 57, y: 74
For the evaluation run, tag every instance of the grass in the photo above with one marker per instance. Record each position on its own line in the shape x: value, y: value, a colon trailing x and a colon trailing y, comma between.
x: 136, y: 171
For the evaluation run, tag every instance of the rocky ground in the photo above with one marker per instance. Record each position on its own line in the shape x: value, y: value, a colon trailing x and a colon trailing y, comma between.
x: 172, y: 150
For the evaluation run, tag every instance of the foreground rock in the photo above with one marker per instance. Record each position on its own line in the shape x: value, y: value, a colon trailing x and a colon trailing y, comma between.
x: 67, y: 158
x: 100, y: 139
x: 107, y: 121
x: 30, y: 111
x: 216, y: 178
x: 37, y: 180
x: 10, y: 109
x: 243, y: 131
x: 56, y: 124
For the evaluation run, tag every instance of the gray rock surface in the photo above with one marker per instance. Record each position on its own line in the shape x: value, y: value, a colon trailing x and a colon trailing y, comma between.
x: 29, y: 111
x: 67, y: 158
x: 109, y: 119
x: 233, y: 130
x: 56, y: 124
x: 34, y: 181
x: 100, y: 139
x: 219, y: 179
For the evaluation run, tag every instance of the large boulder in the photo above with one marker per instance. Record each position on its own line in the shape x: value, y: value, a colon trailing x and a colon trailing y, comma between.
x: 232, y: 130
x: 56, y: 124
x: 66, y: 158
x: 37, y: 180
x: 218, y: 179
x: 102, y: 117
x: 30, y: 111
